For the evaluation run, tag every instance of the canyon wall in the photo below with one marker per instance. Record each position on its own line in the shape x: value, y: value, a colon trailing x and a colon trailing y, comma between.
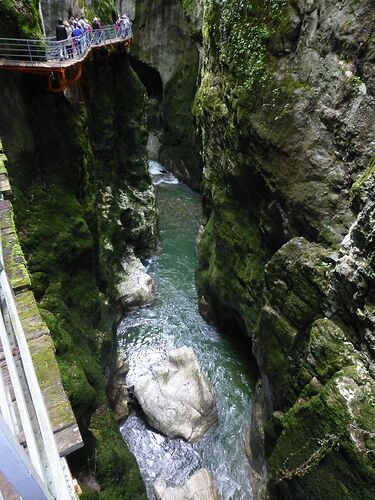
x: 82, y: 198
x: 286, y: 105
x: 166, y: 45
x: 53, y: 10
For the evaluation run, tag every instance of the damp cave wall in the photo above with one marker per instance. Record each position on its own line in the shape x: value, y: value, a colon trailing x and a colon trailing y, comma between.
x: 285, y: 106
x: 82, y: 197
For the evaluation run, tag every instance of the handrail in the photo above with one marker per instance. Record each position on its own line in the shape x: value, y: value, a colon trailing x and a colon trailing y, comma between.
x: 20, y: 398
x: 45, y: 50
x: 53, y: 476
x: 15, y: 465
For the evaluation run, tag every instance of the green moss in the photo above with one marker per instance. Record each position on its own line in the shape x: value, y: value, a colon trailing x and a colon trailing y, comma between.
x: 189, y: 7
x: 295, y: 279
x: 14, y: 261
x: 330, y: 349
x: 45, y: 364
x: 319, y: 453
x: 240, y: 32
x: 231, y: 261
x: 106, y: 10
x: 73, y: 186
x: 367, y: 175
x: 114, y: 461
x: 29, y: 315
x: 89, y: 493
x: 3, y: 160
x: 81, y: 394
x: 62, y: 340
x: 20, y: 19
x: 208, y: 99
x: 180, y: 142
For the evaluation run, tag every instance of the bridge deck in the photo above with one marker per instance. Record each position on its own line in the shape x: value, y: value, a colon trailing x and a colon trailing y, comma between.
x: 57, y: 64
x: 40, y: 56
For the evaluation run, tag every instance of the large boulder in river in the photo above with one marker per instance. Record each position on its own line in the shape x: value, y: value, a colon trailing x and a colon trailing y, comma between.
x: 177, y: 397
x: 199, y: 485
x: 136, y: 286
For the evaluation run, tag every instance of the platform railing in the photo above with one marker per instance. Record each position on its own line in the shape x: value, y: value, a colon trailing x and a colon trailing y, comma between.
x: 40, y: 474
x: 47, y: 49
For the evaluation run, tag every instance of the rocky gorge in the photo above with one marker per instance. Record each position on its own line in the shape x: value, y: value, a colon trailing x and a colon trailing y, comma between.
x: 286, y: 106
x: 267, y: 107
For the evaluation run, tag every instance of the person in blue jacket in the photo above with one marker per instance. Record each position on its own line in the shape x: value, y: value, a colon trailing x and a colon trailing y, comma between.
x: 77, y: 34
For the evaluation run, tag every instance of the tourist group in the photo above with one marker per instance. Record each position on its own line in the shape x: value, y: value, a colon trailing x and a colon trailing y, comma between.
x: 76, y: 33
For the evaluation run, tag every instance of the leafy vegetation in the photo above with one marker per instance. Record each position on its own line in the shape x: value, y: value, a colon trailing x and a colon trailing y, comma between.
x: 245, y: 29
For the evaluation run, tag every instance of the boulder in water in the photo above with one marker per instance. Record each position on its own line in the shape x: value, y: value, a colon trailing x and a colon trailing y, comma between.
x: 136, y: 286
x: 199, y: 485
x: 177, y: 397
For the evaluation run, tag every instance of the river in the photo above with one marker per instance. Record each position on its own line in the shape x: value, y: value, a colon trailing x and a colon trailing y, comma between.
x: 173, y: 320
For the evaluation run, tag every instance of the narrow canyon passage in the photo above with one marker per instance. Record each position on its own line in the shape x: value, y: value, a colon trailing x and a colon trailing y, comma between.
x: 170, y: 322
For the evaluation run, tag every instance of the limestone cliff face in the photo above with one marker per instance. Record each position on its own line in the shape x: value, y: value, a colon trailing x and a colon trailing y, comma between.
x: 82, y: 198
x: 166, y: 41
x: 53, y: 10
x: 286, y: 107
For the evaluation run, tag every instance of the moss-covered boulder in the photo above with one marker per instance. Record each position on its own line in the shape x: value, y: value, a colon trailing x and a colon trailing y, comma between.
x: 326, y: 446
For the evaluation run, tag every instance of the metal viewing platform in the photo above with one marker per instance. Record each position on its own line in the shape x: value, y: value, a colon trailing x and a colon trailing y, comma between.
x: 61, y: 60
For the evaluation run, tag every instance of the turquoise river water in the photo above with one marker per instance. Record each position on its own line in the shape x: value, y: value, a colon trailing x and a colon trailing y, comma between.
x: 170, y: 322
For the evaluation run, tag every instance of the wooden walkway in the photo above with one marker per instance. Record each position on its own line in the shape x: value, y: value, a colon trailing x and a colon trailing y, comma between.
x: 25, y: 340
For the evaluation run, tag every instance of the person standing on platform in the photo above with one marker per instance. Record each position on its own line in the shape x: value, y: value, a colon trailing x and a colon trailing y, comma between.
x: 69, y: 43
x: 77, y: 33
x: 61, y: 37
x: 96, y: 26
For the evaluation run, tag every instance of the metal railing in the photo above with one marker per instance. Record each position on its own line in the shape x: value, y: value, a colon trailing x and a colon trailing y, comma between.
x: 40, y: 474
x: 47, y: 49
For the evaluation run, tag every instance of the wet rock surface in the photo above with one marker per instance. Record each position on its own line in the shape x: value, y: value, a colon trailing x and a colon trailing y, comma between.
x: 136, y: 286
x: 119, y: 396
x: 199, y: 485
x: 288, y: 245
x: 177, y: 397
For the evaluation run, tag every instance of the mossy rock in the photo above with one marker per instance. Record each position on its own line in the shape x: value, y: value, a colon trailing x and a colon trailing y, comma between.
x: 180, y: 148
x: 296, y: 280
x: 231, y: 261
x: 116, y: 467
x: 326, y: 447
x: 81, y: 394
x: 20, y: 19
x: 365, y: 182
x: 73, y: 252
x: 329, y: 349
